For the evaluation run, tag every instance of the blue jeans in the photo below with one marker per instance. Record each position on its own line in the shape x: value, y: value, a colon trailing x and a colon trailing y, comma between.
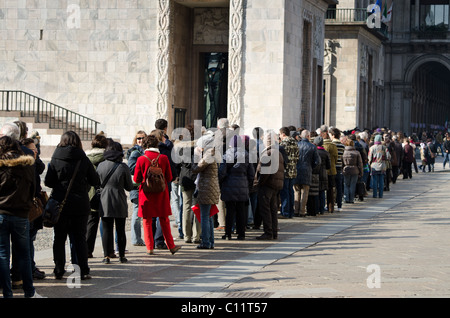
x: 446, y: 158
x: 176, y: 203
x: 350, y: 187
x: 440, y: 146
x: 136, y: 224
x: 378, y: 184
x: 207, y: 223
x: 287, y: 198
x: 17, y: 231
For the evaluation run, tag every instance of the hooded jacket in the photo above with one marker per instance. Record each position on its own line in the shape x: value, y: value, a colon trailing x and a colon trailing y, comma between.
x: 17, y: 185
x: 133, y: 154
x: 95, y: 155
x: 60, y: 171
x: 333, y: 151
x: 378, y: 154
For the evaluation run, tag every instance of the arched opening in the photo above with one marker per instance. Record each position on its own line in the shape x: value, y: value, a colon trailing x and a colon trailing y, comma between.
x: 430, y: 104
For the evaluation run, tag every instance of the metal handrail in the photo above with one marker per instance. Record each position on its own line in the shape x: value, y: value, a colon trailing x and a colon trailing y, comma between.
x: 352, y: 15
x: 347, y: 15
x: 46, y: 112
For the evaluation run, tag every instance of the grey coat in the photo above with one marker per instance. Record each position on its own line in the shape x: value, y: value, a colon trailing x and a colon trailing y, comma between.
x: 113, y: 198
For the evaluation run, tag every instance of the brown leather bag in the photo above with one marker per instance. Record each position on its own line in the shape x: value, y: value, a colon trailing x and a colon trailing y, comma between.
x: 37, y: 209
x: 154, y: 177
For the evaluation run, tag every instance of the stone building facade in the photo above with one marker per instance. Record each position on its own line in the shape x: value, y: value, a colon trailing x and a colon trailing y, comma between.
x: 418, y: 66
x: 127, y: 63
x: 354, y: 68
x: 397, y: 76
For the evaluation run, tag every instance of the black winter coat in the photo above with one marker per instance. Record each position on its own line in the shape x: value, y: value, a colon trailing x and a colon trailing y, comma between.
x: 60, y: 171
x: 17, y: 185
x: 236, y: 179
x: 165, y: 148
x: 185, y: 153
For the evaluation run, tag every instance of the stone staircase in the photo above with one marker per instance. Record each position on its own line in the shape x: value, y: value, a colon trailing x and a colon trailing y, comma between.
x: 48, y: 119
x: 50, y: 137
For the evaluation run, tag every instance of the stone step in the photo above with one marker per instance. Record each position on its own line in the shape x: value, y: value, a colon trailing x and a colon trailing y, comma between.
x: 50, y: 137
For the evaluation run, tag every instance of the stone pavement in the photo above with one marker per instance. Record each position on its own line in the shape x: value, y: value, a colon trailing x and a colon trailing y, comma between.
x: 396, y: 246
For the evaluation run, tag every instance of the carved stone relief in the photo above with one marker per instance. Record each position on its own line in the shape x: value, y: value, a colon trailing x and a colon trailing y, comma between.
x: 330, y: 55
x: 214, y: 26
x: 211, y: 26
x: 318, y: 38
x: 363, y: 61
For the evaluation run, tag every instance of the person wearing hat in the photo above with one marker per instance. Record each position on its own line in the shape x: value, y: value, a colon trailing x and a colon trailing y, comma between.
x: 206, y: 167
x: 269, y: 179
x: 378, y: 155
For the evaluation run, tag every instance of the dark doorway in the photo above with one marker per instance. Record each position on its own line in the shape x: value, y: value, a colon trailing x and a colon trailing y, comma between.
x: 430, y: 95
x: 215, y: 87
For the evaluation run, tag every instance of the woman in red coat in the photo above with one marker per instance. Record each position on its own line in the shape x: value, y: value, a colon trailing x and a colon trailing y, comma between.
x: 154, y: 205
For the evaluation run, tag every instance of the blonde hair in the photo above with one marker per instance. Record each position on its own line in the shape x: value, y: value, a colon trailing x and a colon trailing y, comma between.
x: 158, y: 133
x: 140, y: 132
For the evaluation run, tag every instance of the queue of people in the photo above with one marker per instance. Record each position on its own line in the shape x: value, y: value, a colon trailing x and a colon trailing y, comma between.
x: 218, y: 181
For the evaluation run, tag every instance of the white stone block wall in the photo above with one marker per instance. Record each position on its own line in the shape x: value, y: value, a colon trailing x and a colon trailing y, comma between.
x: 347, y: 82
x: 263, y: 64
x: 93, y: 57
x: 273, y: 59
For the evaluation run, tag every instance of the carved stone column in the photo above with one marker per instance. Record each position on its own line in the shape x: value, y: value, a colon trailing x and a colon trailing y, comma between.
x: 235, y: 62
x: 163, y: 58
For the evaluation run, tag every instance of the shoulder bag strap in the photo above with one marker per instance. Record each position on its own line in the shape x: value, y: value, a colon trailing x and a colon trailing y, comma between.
x: 109, y: 174
x: 71, y: 181
x: 152, y: 162
x: 157, y: 160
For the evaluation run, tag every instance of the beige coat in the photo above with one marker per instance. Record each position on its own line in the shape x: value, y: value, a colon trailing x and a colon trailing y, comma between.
x: 208, y: 179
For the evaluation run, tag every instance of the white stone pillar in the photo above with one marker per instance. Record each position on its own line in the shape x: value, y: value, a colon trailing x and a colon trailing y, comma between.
x: 235, y: 62
x: 163, y: 58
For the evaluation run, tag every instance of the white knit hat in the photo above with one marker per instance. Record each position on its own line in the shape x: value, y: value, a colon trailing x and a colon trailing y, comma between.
x: 206, y: 141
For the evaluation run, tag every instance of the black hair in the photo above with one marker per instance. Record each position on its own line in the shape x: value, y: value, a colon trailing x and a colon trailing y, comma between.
x: 161, y: 124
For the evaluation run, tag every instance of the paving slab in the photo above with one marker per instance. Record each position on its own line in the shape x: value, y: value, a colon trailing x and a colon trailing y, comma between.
x: 392, y: 247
